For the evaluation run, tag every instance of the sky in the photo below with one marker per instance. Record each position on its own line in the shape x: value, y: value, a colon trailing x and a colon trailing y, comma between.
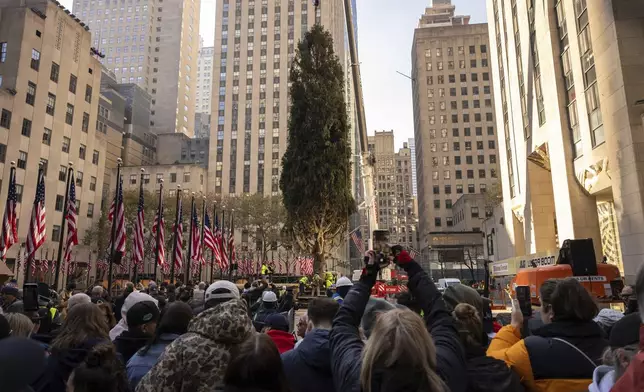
x: 385, y: 33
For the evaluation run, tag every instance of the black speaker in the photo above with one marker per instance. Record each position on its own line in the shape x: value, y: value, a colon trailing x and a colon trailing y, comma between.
x: 580, y: 254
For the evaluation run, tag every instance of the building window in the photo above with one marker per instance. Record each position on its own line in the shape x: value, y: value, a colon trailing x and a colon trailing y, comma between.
x: 46, y: 137
x: 470, y: 188
x: 95, y: 157
x: 55, y: 72
x: 448, y: 204
x: 449, y: 221
x: 595, y: 115
x: 55, y: 233
x: 69, y: 115
x: 159, y: 177
x: 491, y: 144
x: 186, y: 177
x: 65, y: 145
x: 51, y: 104
x: 35, y: 59
x: 85, y: 124
x: 22, y: 160
x: 3, y: 52
x: 72, y: 83
x: 26, y: 128
x: 31, y: 93
x: 437, y: 222
x: 132, y: 179
x: 459, y: 189
x: 146, y: 178
x: 5, y: 119
x: 79, y: 178
x: 81, y: 151
x: 474, y: 212
x: 62, y: 173
x: 173, y: 177
x: 90, y: 210
x: 437, y: 204
x: 60, y: 200
x: 92, y: 183
x: 88, y: 94
x: 436, y: 189
x: 448, y: 189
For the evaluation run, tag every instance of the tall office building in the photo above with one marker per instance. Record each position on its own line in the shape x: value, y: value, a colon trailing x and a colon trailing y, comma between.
x: 411, y: 142
x: 393, y: 189
x: 154, y: 45
x: 50, y: 83
x: 455, y: 136
x: 255, y: 41
x: 569, y: 96
x: 204, y: 77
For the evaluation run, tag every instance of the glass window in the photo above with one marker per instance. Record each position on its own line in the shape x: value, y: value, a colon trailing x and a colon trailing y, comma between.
x: 35, y: 59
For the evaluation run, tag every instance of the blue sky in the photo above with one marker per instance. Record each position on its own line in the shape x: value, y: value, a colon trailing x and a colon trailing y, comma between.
x: 385, y: 33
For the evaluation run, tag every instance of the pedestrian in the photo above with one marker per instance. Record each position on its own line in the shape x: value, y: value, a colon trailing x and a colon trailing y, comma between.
x: 399, y: 354
x: 633, y: 378
x: 174, y: 323
x: 120, y: 300
x: 256, y: 367
x: 131, y: 299
x: 308, y: 367
x: 21, y: 325
x: 142, y: 320
x: 276, y: 327
x: 630, y: 300
x: 459, y: 294
x: 198, y: 294
x: 106, y: 308
x: 76, y: 299
x: 268, y: 306
x: 98, y: 294
x: 562, y: 354
x: 197, y: 360
x: 607, y: 318
x: 5, y: 328
x: 83, y: 329
x: 342, y: 288
x: 286, y: 300
x: 10, y: 299
x: 101, y: 371
x: 484, y: 374
x: 22, y: 362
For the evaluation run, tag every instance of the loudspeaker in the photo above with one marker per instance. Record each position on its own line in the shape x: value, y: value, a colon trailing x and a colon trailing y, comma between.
x: 580, y: 254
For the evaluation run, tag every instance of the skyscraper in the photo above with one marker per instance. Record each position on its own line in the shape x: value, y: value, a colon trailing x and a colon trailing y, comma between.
x: 411, y: 142
x: 569, y: 96
x: 204, y: 90
x: 455, y: 136
x: 155, y: 46
x: 254, y: 44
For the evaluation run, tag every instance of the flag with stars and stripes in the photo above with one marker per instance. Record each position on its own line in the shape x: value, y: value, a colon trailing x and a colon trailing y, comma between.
x: 178, y: 238
x: 197, y: 254
x: 208, y: 239
x: 118, y: 210
x: 71, y: 217
x: 138, y: 230
x: 356, y: 237
x: 9, y: 235
x: 160, y: 244
x: 37, y: 225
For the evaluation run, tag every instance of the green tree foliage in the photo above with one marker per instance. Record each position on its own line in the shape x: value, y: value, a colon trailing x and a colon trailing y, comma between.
x: 316, y: 172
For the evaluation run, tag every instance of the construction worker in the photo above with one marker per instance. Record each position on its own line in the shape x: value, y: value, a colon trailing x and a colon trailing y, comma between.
x: 264, y: 271
x: 304, y: 281
x: 342, y: 289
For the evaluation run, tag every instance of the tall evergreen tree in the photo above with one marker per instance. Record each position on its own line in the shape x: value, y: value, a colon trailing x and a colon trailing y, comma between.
x: 316, y: 170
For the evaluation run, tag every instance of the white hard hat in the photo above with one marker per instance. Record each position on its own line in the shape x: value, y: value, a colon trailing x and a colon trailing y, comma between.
x: 343, y: 282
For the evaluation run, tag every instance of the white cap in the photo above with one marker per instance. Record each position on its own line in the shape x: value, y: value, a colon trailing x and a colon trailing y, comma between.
x: 269, y: 296
x: 77, y: 299
x: 222, y: 284
x: 343, y: 282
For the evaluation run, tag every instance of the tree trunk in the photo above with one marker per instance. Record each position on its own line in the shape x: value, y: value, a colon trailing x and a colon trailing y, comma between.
x: 318, y: 257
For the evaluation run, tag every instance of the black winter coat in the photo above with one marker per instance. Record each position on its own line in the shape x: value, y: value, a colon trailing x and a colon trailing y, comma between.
x: 346, y: 345
x: 308, y: 366
x: 487, y: 374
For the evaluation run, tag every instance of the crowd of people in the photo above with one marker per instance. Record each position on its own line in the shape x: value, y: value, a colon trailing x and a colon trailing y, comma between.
x: 219, y: 337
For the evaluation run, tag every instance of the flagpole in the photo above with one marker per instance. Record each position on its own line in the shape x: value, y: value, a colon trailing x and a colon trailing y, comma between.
x: 30, y: 257
x: 230, y: 247
x: 174, y: 242
x: 135, y: 273
x: 212, y: 251
x: 223, y: 240
x: 159, y: 215
x: 62, y: 225
x: 203, y: 221
x: 119, y: 162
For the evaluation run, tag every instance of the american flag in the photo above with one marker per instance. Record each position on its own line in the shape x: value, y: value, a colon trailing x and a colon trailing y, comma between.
x: 70, y: 217
x: 356, y: 237
x: 306, y: 265
x: 412, y: 253
x: 159, y: 222
x: 101, y: 265
x: 120, y: 222
x: 9, y: 235
x: 178, y: 233
x: 138, y: 230
x: 208, y: 239
x: 37, y: 226
x: 217, y: 238
x: 222, y: 250
x: 197, y: 254
x: 231, y: 243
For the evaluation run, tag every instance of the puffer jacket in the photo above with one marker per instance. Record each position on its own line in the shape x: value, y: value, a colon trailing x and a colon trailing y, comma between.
x: 544, y: 362
x: 197, y: 361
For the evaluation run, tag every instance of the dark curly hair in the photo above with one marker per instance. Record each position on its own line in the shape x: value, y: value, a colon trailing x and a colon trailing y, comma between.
x: 101, y: 371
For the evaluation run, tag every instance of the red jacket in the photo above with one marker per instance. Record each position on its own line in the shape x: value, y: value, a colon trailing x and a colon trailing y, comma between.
x: 283, y: 340
x: 633, y: 379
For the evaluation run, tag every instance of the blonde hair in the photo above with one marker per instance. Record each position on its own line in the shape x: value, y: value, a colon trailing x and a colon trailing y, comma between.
x: 21, y: 325
x: 400, y: 336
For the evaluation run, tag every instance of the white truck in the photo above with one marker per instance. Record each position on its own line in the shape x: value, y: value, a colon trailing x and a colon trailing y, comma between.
x: 444, y: 283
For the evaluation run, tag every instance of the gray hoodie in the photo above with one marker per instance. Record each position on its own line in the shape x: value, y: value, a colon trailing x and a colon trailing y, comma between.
x: 603, y: 379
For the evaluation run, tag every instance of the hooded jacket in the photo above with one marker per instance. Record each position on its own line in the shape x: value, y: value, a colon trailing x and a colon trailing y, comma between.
x: 141, y: 363
x: 197, y: 360
x: 487, y: 374
x: 346, y: 344
x: 283, y: 340
x: 603, y: 379
x: 129, y: 342
x: 131, y: 299
x: 308, y: 367
x: 633, y: 379
x: 545, y: 362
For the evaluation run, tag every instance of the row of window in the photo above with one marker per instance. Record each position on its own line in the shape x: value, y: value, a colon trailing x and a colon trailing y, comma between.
x: 466, y: 118
x: 471, y: 188
x: 460, y: 50
x: 467, y: 132
x: 458, y: 174
x: 160, y: 176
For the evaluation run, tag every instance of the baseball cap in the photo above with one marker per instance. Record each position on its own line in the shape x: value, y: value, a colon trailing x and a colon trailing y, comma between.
x: 10, y: 290
x: 344, y: 281
x: 233, y: 291
x: 269, y: 296
x: 277, y: 321
x: 142, y: 313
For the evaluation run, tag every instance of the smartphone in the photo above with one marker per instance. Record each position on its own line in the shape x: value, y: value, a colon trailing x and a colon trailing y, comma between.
x: 30, y: 297
x: 381, y: 246
x: 523, y: 297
